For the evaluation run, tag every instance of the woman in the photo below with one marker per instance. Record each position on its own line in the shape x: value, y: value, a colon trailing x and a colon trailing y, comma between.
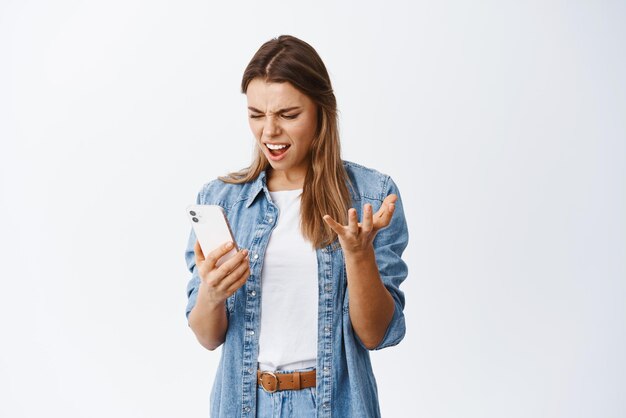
x: 313, y: 289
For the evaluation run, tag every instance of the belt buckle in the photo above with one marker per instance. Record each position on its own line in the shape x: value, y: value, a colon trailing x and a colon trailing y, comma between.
x: 263, y: 383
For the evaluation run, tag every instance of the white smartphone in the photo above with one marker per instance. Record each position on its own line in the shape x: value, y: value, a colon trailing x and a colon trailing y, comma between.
x: 211, y: 228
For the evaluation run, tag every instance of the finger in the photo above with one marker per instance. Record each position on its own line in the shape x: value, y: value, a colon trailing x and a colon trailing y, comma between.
x: 217, y: 253
x: 337, y: 227
x: 353, y: 222
x: 390, y: 202
x: 232, y: 263
x: 236, y: 276
x: 391, y: 199
x: 367, y: 218
x: 198, y: 251
x: 384, y: 216
x: 383, y: 219
x: 238, y: 283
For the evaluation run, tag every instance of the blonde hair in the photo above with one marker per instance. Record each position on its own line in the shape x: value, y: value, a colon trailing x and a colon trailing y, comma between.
x: 325, y: 190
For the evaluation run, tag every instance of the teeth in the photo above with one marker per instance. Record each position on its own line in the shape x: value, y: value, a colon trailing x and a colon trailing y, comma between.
x: 275, y: 147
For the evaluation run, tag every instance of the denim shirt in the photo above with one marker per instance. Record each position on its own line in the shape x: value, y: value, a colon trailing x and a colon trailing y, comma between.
x: 346, y: 386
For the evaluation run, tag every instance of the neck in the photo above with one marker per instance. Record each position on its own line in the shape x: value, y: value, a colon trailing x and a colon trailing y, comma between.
x: 285, y: 180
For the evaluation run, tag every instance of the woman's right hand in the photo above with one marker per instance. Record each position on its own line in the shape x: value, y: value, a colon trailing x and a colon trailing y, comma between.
x: 221, y: 282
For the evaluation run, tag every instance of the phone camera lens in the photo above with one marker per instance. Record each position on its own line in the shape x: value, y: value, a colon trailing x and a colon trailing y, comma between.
x: 192, y: 213
x: 195, y: 219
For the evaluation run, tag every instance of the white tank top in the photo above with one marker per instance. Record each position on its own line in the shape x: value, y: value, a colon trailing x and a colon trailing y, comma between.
x: 289, y: 292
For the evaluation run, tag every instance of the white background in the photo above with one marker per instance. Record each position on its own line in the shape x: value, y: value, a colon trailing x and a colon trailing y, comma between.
x: 503, y: 124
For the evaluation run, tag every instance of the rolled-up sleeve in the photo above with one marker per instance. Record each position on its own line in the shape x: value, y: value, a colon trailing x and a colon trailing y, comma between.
x: 389, y: 245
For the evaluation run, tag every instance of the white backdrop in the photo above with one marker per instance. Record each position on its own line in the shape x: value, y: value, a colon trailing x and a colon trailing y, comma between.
x: 503, y: 124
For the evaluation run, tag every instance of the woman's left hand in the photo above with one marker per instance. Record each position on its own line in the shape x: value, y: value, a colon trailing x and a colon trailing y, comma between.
x: 357, y: 237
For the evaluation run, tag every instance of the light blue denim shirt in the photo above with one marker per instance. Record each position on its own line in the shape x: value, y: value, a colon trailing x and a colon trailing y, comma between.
x: 346, y: 386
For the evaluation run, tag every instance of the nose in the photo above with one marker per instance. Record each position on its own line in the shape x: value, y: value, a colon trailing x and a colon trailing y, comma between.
x: 271, y: 127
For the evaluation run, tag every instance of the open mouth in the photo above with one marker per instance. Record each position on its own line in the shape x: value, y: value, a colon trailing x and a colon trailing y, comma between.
x: 277, y: 149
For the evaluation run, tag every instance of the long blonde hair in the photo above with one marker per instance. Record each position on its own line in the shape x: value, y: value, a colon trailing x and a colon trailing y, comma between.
x: 325, y: 189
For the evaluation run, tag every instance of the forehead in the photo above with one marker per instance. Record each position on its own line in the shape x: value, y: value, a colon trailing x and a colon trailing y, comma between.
x: 274, y: 96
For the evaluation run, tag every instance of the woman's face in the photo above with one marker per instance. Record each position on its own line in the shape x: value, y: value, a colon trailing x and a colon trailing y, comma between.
x: 283, y: 121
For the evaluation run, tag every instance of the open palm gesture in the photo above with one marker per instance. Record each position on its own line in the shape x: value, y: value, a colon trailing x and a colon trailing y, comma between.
x: 359, y: 236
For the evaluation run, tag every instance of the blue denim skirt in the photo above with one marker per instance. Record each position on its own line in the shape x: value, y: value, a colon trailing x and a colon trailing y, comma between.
x: 286, y: 403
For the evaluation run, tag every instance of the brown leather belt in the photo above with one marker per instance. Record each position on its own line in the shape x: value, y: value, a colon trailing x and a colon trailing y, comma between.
x: 271, y: 382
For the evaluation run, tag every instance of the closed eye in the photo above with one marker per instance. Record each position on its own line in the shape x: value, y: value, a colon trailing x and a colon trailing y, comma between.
x: 284, y: 116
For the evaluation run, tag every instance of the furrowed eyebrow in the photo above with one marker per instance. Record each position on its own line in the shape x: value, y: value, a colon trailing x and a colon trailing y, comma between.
x: 287, y: 109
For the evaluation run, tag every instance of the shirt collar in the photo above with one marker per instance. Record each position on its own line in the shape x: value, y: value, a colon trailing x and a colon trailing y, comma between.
x: 260, y: 183
x: 255, y: 188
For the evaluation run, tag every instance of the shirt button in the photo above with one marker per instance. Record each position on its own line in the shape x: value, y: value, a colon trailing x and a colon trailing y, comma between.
x: 326, y: 370
x: 253, y: 293
x: 256, y: 256
x: 251, y: 332
x: 246, y: 409
x: 326, y: 405
x: 249, y: 371
x: 326, y: 329
x: 328, y: 287
x: 270, y: 219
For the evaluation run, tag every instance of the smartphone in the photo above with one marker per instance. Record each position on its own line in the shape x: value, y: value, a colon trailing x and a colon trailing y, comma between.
x: 212, y: 229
